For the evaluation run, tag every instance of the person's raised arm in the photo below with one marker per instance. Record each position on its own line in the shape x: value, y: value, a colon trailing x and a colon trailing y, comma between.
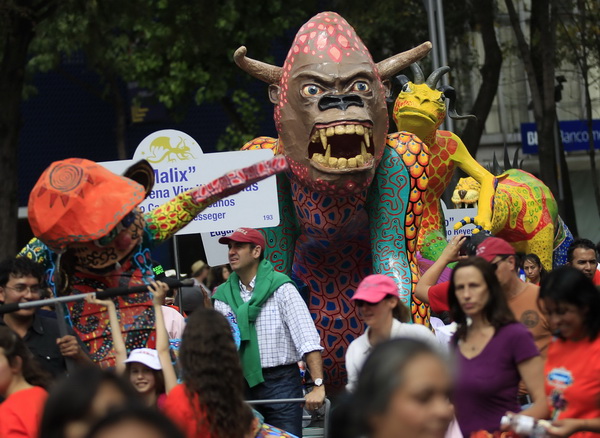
x: 450, y: 254
x: 159, y: 290
x: 115, y: 328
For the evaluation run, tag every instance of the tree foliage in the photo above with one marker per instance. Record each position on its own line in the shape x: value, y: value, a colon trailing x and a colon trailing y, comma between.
x: 175, y: 48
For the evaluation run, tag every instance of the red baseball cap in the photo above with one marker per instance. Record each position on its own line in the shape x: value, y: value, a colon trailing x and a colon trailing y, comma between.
x: 492, y: 247
x: 245, y: 235
x: 375, y: 288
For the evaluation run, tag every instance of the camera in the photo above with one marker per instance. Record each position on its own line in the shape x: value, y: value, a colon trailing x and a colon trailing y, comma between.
x: 469, y: 246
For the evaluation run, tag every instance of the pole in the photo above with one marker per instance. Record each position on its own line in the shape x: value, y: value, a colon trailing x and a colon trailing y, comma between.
x: 177, y: 270
x: 107, y: 293
x: 61, y: 322
x: 441, y: 35
x: 432, y: 32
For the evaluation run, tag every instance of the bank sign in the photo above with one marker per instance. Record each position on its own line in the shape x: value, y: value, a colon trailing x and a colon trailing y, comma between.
x: 574, y: 135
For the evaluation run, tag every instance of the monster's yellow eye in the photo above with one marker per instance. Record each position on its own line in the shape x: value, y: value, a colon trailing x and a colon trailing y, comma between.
x: 406, y: 88
x: 361, y: 86
x: 311, y: 90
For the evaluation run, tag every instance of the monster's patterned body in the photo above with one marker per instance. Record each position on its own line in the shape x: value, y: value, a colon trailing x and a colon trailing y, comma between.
x: 340, y: 240
x: 352, y: 198
x: 440, y: 170
x: 525, y: 214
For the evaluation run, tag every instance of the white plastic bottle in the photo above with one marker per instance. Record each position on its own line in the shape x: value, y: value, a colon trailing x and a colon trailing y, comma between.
x: 526, y: 426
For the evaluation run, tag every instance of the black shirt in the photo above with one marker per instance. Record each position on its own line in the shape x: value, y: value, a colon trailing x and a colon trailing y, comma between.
x: 41, y: 340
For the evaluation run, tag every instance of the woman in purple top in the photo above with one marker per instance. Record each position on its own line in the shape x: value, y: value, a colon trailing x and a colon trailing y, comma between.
x: 493, y: 351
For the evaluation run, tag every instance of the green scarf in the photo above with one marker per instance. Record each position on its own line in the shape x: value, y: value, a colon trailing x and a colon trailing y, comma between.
x: 266, y: 283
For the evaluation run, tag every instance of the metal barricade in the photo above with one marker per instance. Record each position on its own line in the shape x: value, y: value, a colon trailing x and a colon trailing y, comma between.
x: 319, y: 423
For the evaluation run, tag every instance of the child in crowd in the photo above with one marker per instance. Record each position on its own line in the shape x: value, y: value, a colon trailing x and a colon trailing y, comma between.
x: 150, y: 371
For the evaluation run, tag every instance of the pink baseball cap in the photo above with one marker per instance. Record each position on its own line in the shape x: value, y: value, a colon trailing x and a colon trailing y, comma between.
x: 375, y: 288
x: 245, y: 235
x: 493, y: 247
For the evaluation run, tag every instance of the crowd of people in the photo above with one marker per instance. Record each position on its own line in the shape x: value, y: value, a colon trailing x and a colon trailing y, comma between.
x: 519, y: 346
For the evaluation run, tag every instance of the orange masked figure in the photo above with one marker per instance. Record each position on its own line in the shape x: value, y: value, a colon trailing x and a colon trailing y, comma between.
x: 90, y: 216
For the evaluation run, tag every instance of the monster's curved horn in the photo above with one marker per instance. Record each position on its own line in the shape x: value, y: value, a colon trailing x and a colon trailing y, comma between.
x: 389, y: 67
x: 450, y: 94
x: 435, y: 76
x: 419, y: 77
x: 265, y: 72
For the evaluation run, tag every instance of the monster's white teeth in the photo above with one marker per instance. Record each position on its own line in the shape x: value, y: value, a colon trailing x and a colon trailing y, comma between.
x: 341, y: 163
x: 327, y: 160
x: 323, y: 138
x: 341, y: 130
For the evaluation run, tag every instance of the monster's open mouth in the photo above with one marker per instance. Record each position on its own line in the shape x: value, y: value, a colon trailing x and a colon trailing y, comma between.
x: 342, y: 147
x: 408, y: 111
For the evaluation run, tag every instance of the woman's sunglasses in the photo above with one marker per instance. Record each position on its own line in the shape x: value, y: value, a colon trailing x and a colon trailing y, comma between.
x: 361, y: 303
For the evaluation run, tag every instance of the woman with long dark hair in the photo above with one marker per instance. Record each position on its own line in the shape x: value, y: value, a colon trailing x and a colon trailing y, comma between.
x: 494, y: 352
x: 23, y: 385
x: 210, y: 402
x: 572, y: 305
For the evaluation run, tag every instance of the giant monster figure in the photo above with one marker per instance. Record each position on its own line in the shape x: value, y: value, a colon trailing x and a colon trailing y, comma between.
x: 89, y: 218
x: 351, y: 200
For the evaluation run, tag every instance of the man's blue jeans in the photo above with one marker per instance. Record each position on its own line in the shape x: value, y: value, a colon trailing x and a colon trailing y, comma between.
x: 280, y: 382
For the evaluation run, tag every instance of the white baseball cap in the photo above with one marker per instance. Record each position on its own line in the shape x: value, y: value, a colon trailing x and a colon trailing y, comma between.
x: 146, y: 356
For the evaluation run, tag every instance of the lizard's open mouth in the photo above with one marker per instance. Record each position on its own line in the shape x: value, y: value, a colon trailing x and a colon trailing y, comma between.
x: 342, y: 147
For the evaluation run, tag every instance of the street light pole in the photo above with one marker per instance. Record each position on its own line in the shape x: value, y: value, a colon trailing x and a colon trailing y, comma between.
x: 437, y: 35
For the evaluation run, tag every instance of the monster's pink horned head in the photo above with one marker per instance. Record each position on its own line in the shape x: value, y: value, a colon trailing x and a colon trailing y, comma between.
x: 330, y: 108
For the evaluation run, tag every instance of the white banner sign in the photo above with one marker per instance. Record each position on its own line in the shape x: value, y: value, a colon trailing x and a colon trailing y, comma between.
x: 454, y: 215
x: 179, y: 165
x: 216, y: 253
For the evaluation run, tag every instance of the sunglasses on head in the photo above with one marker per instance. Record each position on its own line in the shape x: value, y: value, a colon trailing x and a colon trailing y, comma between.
x: 500, y: 260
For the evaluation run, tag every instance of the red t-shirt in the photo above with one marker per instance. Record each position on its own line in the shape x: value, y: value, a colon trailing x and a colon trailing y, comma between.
x: 191, y: 419
x: 572, y: 380
x: 21, y: 413
x: 596, y: 278
x: 438, y: 297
